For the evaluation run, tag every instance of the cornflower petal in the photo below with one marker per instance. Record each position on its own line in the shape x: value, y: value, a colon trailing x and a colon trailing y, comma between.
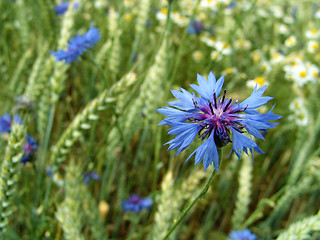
x: 255, y: 100
x: 174, y: 115
x: 186, y: 100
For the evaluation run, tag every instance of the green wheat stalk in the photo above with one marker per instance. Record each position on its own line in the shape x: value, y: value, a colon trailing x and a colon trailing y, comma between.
x: 302, y: 229
x: 86, y: 117
x: 243, y: 196
x: 69, y: 212
x: 10, y: 174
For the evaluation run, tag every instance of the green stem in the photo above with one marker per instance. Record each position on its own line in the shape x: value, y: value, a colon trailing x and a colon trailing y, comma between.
x: 100, y: 69
x: 47, y: 137
x: 191, y: 204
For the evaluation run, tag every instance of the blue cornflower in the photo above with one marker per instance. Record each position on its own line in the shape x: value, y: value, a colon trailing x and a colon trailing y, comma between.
x: 232, y: 5
x: 216, y: 120
x: 242, y: 235
x: 77, y: 45
x: 5, y: 122
x: 28, y: 149
x: 195, y: 27
x: 63, y: 7
x: 90, y: 175
x: 136, y: 203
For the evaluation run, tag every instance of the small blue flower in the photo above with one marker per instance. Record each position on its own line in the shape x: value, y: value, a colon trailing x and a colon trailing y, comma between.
x: 232, y: 5
x: 195, y: 27
x: 77, y: 45
x: 242, y: 235
x: 136, y: 203
x: 217, y: 121
x: 5, y: 122
x: 28, y: 149
x: 91, y: 175
x: 63, y: 7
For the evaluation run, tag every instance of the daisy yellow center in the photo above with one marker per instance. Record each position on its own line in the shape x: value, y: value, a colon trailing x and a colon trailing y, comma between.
x: 215, y: 55
x: 127, y: 17
x: 259, y: 80
x: 297, y: 105
x: 59, y: 176
x: 291, y: 40
x: 315, y: 74
x: 256, y: 56
x: 276, y: 56
x: 314, y: 31
x: 303, y: 74
x: 300, y: 57
x: 315, y: 46
x: 198, y: 55
x: 264, y: 67
x: 184, y: 20
x: 229, y: 70
x: 226, y: 45
x: 164, y: 10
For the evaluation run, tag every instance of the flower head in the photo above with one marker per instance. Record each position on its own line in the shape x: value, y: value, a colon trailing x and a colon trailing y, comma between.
x: 77, y: 45
x: 63, y: 7
x: 5, y: 122
x: 28, y: 149
x: 216, y: 120
x: 91, y: 175
x: 136, y: 203
x: 195, y: 27
x: 242, y: 235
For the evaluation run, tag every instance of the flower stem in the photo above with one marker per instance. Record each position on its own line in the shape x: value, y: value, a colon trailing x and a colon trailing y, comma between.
x: 192, y: 203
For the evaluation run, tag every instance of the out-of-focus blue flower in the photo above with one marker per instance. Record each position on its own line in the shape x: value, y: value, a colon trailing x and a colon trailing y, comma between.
x: 195, y: 27
x: 293, y: 11
x: 216, y: 120
x: 49, y: 171
x: 5, y: 122
x: 63, y: 7
x: 232, y: 5
x: 90, y: 175
x: 77, y: 45
x: 28, y: 149
x: 242, y: 235
x: 136, y: 203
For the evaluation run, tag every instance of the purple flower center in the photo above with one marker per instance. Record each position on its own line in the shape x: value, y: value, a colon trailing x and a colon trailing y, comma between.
x: 28, y: 148
x: 135, y: 199
x: 217, y: 117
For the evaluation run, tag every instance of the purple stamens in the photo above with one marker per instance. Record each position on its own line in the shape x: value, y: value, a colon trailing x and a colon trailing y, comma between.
x: 228, y: 104
x: 215, y: 100
x: 224, y: 95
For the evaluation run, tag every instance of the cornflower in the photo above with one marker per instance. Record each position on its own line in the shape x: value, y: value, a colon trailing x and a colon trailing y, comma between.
x: 216, y: 120
x: 242, y: 235
x: 136, y: 203
x: 91, y: 175
x: 78, y: 45
x: 29, y: 146
x: 5, y: 122
x: 28, y: 149
x: 63, y: 7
